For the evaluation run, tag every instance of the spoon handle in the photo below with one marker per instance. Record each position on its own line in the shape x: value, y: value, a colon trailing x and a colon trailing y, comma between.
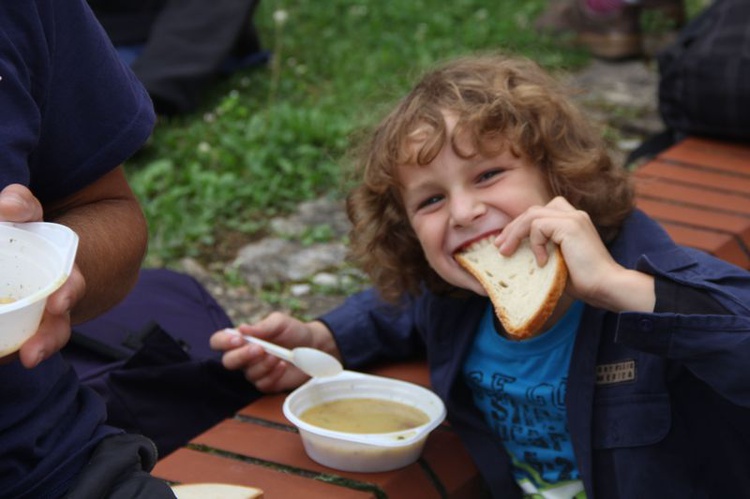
x: 271, y: 348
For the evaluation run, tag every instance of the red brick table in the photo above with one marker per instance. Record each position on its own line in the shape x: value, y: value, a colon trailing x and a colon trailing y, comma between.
x: 260, y: 448
x: 699, y: 190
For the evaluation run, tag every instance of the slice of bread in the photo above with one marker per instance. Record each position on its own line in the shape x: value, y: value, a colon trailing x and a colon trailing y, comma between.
x: 215, y: 491
x: 524, y: 295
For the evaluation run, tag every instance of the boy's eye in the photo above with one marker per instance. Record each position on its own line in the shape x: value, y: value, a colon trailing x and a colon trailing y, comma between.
x: 429, y: 201
x: 484, y: 176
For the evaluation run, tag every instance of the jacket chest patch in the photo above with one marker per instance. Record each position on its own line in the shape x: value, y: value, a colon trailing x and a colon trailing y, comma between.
x: 619, y: 372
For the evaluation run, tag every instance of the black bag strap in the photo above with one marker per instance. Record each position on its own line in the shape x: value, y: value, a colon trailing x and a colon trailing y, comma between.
x: 122, y: 350
x: 107, y: 351
x: 653, y: 145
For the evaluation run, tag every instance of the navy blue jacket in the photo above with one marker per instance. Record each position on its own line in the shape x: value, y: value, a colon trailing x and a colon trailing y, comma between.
x: 677, y: 425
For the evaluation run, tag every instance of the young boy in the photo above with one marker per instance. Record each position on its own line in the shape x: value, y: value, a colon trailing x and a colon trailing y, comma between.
x: 636, y: 387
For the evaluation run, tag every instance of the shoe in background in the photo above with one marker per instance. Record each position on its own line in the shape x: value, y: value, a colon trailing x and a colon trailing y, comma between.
x: 618, y: 32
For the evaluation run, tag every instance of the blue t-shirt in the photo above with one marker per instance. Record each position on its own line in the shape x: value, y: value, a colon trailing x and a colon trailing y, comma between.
x: 520, y: 388
x: 70, y: 112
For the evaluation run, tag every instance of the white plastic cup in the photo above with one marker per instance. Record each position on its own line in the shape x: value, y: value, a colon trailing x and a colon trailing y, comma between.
x: 35, y: 260
x: 363, y: 452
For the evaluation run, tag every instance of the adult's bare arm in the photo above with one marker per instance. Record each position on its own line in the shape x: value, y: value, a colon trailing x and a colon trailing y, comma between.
x: 113, y: 238
x: 112, y: 241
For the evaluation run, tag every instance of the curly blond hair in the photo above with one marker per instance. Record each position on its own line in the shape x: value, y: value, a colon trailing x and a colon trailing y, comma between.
x: 499, y: 102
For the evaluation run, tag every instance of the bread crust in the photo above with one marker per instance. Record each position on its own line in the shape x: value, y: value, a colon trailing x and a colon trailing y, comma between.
x: 552, y: 293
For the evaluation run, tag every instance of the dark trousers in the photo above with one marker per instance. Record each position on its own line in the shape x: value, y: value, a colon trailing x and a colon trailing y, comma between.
x: 186, y: 44
x: 119, y: 469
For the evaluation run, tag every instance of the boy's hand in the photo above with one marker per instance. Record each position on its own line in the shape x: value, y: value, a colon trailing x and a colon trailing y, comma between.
x: 269, y: 373
x: 594, y: 276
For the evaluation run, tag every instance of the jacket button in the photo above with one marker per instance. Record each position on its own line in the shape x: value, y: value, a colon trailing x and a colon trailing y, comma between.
x: 646, y: 325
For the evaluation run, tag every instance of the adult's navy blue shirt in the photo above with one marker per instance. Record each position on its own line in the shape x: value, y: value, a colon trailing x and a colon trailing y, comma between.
x: 70, y: 112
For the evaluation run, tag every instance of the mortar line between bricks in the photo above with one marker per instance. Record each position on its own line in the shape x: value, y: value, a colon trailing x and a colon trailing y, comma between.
x: 683, y: 183
x: 707, y: 168
x: 693, y: 205
x: 433, y: 477
x: 264, y: 422
x: 328, y: 478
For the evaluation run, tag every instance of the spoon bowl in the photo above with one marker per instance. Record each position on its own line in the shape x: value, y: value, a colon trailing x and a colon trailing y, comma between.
x: 311, y: 361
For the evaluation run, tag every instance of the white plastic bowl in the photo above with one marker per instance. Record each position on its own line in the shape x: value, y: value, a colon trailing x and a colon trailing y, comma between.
x: 35, y: 259
x: 363, y: 452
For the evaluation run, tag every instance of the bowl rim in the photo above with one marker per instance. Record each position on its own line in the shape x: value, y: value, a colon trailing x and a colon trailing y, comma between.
x: 400, y: 438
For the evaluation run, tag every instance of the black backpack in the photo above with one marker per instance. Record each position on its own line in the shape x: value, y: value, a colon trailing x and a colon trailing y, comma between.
x: 704, y: 86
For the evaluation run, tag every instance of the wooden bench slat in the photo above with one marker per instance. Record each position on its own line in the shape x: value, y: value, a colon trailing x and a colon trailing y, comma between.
x: 267, y: 408
x: 412, y: 371
x: 665, y: 190
x: 682, y: 175
x: 254, y: 440
x: 724, y: 156
x: 699, y: 218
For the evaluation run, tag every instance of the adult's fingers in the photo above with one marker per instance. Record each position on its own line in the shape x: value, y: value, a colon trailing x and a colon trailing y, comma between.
x: 52, y: 335
x: 18, y: 204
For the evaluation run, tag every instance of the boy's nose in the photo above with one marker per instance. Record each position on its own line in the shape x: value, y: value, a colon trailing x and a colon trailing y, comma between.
x: 465, y: 210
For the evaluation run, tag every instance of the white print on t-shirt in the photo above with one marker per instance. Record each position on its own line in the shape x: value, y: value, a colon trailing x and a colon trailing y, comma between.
x: 530, y: 420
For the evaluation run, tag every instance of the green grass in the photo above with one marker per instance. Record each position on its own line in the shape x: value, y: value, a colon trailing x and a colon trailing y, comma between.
x: 270, y: 137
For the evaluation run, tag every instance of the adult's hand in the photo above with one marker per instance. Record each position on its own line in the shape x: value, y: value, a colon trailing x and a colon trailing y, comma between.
x: 112, y: 235
x: 18, y: 204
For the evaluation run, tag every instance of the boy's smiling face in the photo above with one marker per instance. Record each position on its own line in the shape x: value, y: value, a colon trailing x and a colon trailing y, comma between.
x: 453, y: 201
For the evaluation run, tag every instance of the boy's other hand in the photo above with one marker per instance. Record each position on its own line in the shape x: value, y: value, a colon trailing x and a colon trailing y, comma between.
x: 594, y: 276
x: 268, y: 373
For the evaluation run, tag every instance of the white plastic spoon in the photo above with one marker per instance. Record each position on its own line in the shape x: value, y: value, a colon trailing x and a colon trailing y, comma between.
x: 311, y: 361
